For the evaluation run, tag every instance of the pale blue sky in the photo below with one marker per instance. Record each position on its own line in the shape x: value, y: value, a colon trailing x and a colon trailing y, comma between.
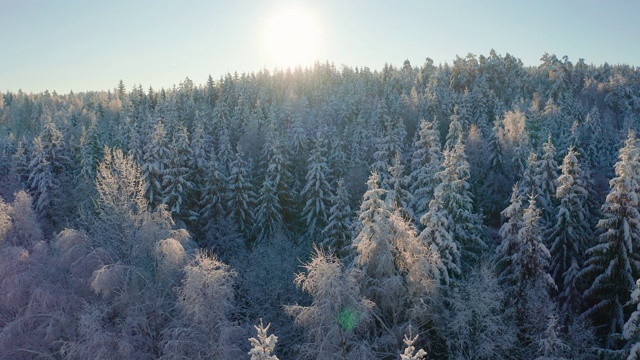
x: 83, y: 45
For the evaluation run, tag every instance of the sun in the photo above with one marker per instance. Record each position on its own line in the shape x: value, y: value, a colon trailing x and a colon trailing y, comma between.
x: 292, y: 37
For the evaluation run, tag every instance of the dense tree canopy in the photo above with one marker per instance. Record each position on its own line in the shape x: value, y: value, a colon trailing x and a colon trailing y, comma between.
x: 166, y: 223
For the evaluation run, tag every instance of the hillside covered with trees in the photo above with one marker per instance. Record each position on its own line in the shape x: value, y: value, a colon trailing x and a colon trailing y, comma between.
x: 476, y: 210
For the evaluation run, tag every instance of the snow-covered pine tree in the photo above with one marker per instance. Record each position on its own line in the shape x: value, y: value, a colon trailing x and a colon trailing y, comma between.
x: 614, y: 263
x: 273, y: 195
x: 409, y: 352
x: 275, y: 159
x: 592, y: 137
x: 456, y: 131
x: 425, y: 163
x: 495, y: 192
x: 453, y: 201
x: 337, y: 160
x: 337, y: 233
x: 388, y: 144
x: 528, y: 282
x: 509, y: 233
x: 263, y: 346
x: 547, y: 176
x: 550, y: 345
x: 242, y: 197
x: 154, y: 163
x: 225, y: 153
x: 42, y: 182
x: 20, y: 164
x: 201, y: 151
x: 317, y: 191
x: 212, y: 198
x: 437, y: 236
x: 631, y: 330
x: 176, y: 180
x: 398, y: 197
x: 48, y: 167
x: 135, y: 142
x: 520, y: 151
x: 530, y: 259
x: 528, y: 183
x: 569, y: 237
x: 397, y: 271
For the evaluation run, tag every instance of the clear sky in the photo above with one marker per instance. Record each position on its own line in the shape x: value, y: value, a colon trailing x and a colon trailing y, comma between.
x: 84, y: 45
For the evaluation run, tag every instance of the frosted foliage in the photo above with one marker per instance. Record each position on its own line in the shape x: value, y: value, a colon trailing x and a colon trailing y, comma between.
x: 337, y: 312
x: 5, y: 219
x: 121, y: 205
x: 396, y: 268
x: 477, y: 327
x: 170, y: 254
x: 71, y: 245
x: 206, y: 290
x: 513, y: 130
x: 108, y: 279
x: 16, y: 282
x: 26, y: 229
x: 550, y: 345
x: 205, y: 301
x: 263, y: 346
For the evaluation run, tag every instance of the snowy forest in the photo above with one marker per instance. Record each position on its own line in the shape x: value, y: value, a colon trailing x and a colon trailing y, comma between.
x: 481, y: 209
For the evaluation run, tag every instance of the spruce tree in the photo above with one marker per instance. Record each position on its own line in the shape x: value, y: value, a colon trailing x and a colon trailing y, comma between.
x: 395, y: 268
x: 242, y: 197
x: 398, y: 197
x: 425, y: 163
x: 547, y: 176
x: 337, y: 233
x: 453, y: 200
x: 613, y: 264
x: 155, y: 158
x: 456, y: 131
x: 570, y: 234
x: 48, y: 167
x: 527, y: 280
x: 316, y: 190
x: 176, y: 180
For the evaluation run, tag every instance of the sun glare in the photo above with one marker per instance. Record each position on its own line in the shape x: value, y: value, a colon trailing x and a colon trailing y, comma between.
x: 292, y: 37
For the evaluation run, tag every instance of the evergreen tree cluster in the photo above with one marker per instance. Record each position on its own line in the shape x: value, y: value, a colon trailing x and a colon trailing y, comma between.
x: 474, y: 210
